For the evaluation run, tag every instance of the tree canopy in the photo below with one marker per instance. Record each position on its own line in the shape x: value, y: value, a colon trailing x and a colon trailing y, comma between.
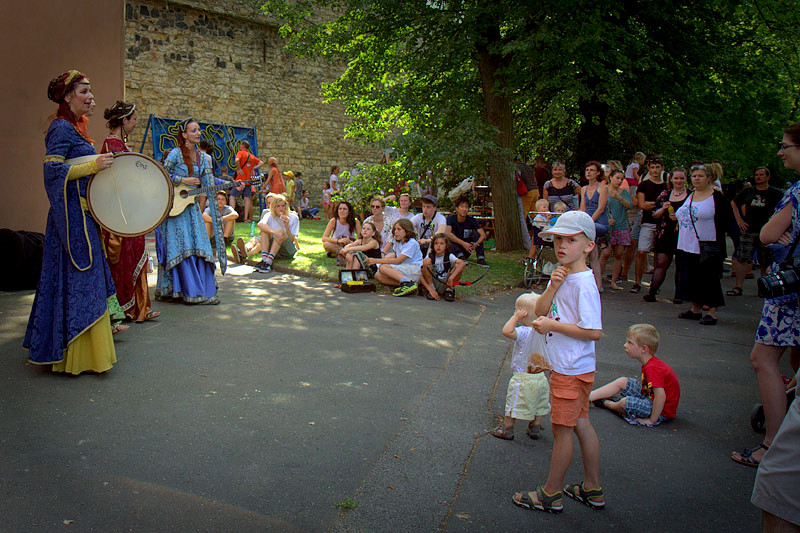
x: 462, y: 85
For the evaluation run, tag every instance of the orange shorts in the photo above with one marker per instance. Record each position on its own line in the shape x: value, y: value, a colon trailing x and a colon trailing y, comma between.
x: 569, y: 397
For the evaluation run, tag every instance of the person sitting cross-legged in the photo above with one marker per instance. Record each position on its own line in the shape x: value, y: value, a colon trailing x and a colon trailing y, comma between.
x: 465, y: 233
x: 279, y: 230
x: 227, y: 215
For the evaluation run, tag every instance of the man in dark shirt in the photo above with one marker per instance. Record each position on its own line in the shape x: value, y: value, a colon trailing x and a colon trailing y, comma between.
x: 542, y: 173
x: 465, y: 233
x: 752, y: 208
x: 650, y: 187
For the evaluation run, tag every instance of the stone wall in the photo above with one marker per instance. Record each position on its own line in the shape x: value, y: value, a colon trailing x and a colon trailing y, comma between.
x: 222, y: 61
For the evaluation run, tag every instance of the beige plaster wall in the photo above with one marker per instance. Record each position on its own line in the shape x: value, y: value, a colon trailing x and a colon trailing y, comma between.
x: 40, y: 40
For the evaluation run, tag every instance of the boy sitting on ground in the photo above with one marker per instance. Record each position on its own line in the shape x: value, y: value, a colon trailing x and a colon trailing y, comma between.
x: 465, y: 233
x: 652, y: 400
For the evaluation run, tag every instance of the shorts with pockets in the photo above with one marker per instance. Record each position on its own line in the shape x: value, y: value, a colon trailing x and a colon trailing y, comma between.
x: 569, y: 397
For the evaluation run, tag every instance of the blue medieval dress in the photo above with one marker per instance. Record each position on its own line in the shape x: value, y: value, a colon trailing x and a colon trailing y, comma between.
x: 185, y: 259
x: 69, y: 324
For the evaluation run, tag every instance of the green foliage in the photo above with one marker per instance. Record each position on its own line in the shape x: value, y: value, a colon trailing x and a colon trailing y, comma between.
x: 384, y: 179
x: 582, y: 79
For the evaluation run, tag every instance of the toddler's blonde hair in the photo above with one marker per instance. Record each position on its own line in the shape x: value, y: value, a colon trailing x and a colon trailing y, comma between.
x: 541, y: 205
x: 527, y: 302
x: 644, y: 335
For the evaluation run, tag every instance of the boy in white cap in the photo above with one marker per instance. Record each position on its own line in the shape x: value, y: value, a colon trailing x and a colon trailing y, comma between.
x: 569, y: 316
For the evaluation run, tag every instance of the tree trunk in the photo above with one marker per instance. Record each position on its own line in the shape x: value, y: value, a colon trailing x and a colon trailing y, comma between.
x: 508, y: 232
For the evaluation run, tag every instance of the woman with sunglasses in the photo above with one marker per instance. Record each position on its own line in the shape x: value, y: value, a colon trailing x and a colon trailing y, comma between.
x: 382, y: 220
x: 185, y: 259
x: 779, y: 327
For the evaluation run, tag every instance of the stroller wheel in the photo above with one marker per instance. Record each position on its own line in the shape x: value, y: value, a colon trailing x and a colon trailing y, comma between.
x: 757, y: 421
x: 529, y: 275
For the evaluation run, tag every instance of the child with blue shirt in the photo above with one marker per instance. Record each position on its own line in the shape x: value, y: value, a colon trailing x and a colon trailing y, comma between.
x: 401, y: 267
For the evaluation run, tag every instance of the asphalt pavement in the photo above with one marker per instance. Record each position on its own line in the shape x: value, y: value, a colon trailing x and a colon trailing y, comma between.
x: 292, y: 406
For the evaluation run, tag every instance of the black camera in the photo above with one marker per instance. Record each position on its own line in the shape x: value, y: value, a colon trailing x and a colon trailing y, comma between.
x: 784, y: 282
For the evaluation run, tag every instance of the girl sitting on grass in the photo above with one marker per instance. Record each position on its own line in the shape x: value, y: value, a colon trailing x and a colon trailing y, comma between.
x: 442, y: 265
x: 369, y: 244
x: 401, y: 266
x: 341, y: 230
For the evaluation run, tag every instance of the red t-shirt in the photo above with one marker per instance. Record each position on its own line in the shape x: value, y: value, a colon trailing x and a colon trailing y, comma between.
x: 245, y: 169
x: 276, y: 183
x: 656, y: 374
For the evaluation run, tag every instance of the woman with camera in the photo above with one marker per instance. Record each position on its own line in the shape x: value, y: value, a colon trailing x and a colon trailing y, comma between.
x: 779, y: 327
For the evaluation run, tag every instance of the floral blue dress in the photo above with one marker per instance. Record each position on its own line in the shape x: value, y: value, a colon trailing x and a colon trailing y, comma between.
x: 185, y: 259
x: 780, y: 319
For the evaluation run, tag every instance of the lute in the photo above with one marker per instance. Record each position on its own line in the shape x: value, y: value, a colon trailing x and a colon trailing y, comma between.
x: 185, y: 195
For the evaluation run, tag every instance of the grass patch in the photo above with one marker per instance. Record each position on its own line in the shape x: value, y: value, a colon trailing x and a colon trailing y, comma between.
x: 505, y: 272
x: 347, y: 504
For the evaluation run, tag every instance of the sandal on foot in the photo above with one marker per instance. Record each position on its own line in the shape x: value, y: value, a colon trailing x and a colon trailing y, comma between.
x: 502, y: 433
x: 551, y: 503
x: 736, y: 291
x: 151, y: 315
x: 578, y: 493
x: 118, y: 328
x: 533, y: 430
x: 689, y: 315
x: 746, y: 456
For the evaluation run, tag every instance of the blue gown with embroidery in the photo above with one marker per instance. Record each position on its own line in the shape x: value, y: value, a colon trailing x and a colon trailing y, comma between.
x: 69, y: 298
x: 185, y: 259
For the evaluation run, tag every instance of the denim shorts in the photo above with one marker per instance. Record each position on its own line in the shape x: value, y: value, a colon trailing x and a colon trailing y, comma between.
x: 638, y: 405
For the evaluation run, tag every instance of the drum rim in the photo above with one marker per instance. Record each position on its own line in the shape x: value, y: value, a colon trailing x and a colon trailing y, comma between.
x: 167, y: 208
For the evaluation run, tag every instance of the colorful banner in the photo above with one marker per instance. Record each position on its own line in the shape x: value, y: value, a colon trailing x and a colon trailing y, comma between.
x: 223, y: 138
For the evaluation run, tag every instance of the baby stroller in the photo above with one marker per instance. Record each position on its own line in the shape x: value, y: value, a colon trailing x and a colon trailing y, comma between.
x: 757, y: 420
x: 538, y: 269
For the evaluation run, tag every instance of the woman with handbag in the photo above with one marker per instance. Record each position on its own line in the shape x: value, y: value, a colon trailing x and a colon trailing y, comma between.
x: 702, y: 221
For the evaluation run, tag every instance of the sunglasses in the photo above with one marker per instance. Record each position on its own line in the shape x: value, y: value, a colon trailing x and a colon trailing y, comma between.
x: 655, y: 160
x: 698, y: 167
x: 376, y: 206
x: 185, y: 123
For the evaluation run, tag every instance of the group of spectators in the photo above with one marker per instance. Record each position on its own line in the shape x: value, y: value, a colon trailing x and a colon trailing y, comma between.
x: 405, y: 250
x: 643, y: 209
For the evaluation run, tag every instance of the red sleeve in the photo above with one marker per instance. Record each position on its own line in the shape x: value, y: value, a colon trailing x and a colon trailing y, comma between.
x: 654, y: 376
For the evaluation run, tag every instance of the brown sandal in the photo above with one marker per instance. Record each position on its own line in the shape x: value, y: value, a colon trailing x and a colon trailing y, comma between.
x: 502, y: 433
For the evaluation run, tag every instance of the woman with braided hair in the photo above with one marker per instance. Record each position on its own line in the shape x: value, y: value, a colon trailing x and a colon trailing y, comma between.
x: 185, y: 259
x: 69, y: 326
x: 126, y: 256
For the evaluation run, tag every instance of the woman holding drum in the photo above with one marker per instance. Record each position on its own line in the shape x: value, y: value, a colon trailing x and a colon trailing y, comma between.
x: 69, y: 327
x: 127, y: 257
x: 185, y: 259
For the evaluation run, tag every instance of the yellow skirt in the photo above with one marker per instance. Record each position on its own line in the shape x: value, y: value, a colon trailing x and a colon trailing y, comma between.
x: 93, y: 350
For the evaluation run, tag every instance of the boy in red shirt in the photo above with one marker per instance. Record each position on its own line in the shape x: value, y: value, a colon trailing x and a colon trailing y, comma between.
x: 654, y: 398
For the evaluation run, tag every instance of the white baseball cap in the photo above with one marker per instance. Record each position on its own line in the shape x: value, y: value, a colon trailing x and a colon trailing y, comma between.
x: 573, y: 223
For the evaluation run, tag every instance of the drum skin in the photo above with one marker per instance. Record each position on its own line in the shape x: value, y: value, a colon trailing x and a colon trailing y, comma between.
x: 131, y: 197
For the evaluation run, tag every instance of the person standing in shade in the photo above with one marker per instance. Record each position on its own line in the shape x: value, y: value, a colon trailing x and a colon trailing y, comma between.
x: 757, y: 204
x: 649, y: 189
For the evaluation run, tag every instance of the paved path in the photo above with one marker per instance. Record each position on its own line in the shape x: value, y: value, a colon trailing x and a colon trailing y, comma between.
x: 266, y: 411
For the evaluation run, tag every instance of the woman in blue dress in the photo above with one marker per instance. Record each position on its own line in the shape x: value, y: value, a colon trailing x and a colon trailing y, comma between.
x: 69, y: 325
x: 185, y: 259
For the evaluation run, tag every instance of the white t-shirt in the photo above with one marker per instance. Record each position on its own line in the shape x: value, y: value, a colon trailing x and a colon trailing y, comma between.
x: 424, y: 231
x: 227, y: 210
x: 395, y: 213
x: 332, y: 181
x: 577, y: 301
x: 277, y: 224
x: 411, y: 250
x: 703, y: 214
x: 438, y: 265
x: 632, y: 172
